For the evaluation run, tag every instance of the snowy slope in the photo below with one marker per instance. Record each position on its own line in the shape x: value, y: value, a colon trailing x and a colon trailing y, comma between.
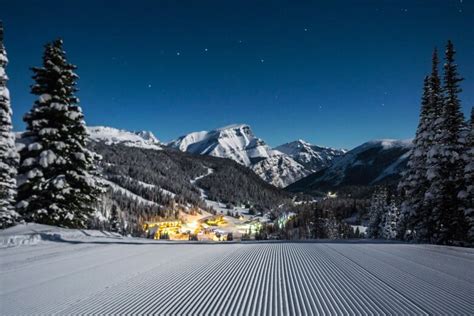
x: 111, y: 276
x: 110, y: 135
x: 33, y: 234
x: 370, y: 163
x: 312, y: 157
x: 238, y: 142
x: 115, y: 187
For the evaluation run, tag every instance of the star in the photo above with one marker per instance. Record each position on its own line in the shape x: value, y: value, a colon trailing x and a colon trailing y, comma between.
x: 178, y: 53
x: 306, y: 30
x: 149, y: 85
x: 262, y: 60
x: 205, y: 49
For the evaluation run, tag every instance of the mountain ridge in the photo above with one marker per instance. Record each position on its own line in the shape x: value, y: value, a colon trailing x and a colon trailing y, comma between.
x: 312, y: 157
x: 373, y: 162
x: 239, y: 143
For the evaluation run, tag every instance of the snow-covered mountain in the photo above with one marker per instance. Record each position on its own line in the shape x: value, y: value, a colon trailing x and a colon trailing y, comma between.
x: 371, y: 163
x: 238, y: 142
x: 279, y: 169
x: 110, y: 136
x: 312, y: 157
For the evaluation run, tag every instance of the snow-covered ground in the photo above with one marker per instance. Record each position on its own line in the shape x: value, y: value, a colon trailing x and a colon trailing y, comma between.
x: 103, y: 274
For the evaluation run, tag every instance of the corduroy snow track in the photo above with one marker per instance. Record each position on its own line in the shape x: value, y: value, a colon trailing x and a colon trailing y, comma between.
x: 320, y: 278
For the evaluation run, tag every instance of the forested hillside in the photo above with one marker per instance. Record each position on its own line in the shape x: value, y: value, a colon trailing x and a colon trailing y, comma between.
x: 147, y: 183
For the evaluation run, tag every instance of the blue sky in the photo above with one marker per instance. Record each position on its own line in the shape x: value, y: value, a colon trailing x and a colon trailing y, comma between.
x: 334, y: 73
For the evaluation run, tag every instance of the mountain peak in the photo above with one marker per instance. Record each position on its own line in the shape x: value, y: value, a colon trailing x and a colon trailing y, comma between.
x: 110, y: 136
x: 233, y: 127
x: 386, y: 143
x: 302, y: 141
x: 373, y: 162
x: 312, y: 157
x: 147, y: 135
x: 236, y: 142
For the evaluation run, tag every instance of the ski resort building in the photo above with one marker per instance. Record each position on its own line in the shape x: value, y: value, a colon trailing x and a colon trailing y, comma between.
x: 163, y: 229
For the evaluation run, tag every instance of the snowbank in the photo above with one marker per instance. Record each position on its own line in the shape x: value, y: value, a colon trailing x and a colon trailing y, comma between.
x: 32, y: 234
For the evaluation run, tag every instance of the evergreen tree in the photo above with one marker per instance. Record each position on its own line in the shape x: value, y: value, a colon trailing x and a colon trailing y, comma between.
x: 414, y: 183
x: 445, y: 164
x: 332, y: 227
x: 357, y: 232
x: 377, y: 208
x: 390, y: 219
x: 416, y: 214
x: 8, y: 154
x: 467, y: 194
x: 115, y: 223
x: 55, y: 182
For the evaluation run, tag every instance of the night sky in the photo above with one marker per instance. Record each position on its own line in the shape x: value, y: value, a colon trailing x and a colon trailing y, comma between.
x: 335, y: 73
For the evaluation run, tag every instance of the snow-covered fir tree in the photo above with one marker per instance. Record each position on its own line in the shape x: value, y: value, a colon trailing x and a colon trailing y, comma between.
x: 332, y: 228
x: 445, y: 166
x: 115, y: 222
x: 467, y: 194
x: 417, y: 216
x: 384, y: 215
x: 8, y: 154
x: 55, y: 182
x: 414, y: 183
x: 377, y: 209
x: 390, y: 219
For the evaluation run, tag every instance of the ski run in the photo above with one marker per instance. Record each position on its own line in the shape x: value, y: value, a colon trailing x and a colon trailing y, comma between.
x: 88, y: 272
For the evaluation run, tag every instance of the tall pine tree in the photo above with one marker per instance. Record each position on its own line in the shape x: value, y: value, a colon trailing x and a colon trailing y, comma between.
x: 467, y: 194
x: 378, y: 207
x: 445, y: 164
x: 115, y: 221
x: 55, y: 183
x: 390, y: 219
x: 8, y: 154
x: 417, y: 215
x: 414, y: 184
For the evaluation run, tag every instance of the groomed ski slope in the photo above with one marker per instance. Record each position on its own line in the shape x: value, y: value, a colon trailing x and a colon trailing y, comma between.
x: 130, y: 276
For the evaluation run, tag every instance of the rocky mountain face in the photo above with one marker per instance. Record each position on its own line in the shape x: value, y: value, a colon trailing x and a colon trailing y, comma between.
x: 312, y: 157
x: 236, y: 142
x: 275, y: 166
x: 372, y: 163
